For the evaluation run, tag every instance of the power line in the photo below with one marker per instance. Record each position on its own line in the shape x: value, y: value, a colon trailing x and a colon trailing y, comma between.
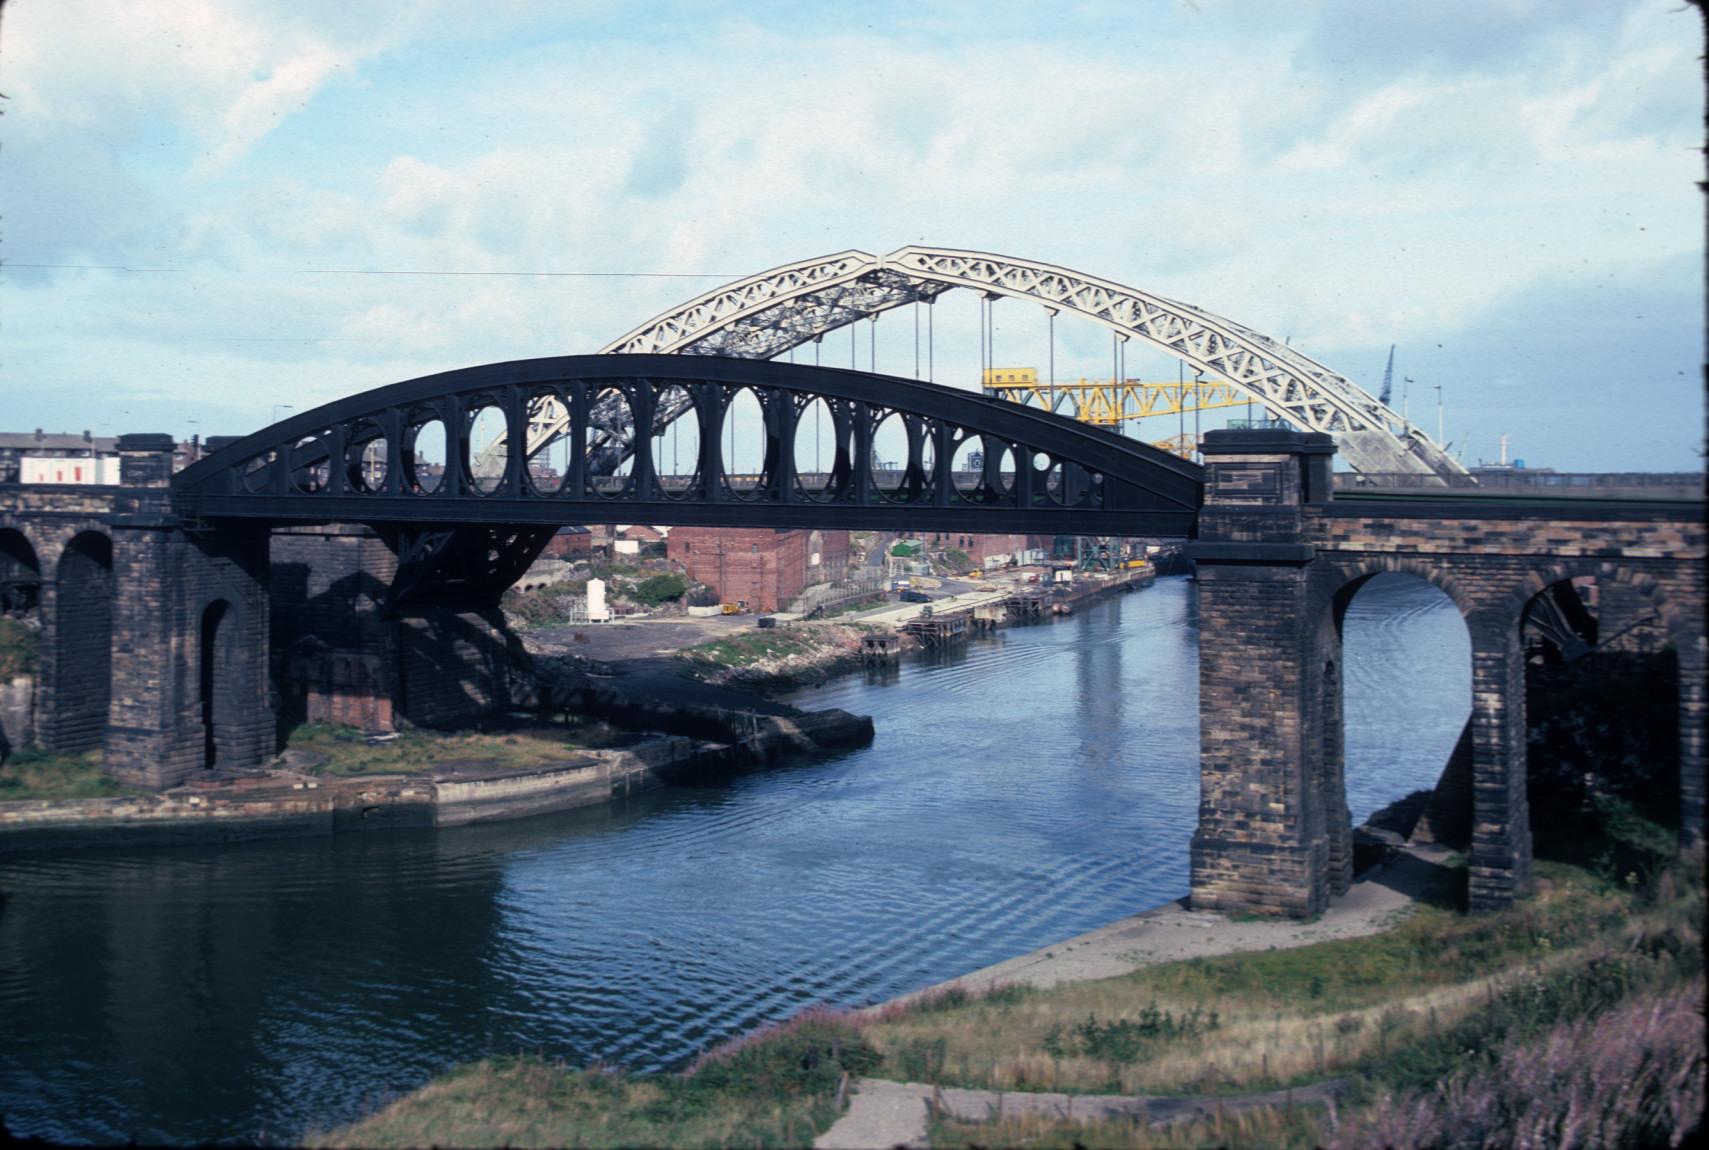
x: 392, y: 272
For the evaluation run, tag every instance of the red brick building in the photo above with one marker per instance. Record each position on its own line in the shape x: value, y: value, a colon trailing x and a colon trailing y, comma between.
x: 570, y: 543
x: 765, y: 568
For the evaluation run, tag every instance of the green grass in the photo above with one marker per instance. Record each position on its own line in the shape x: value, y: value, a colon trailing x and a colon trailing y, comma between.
x: 348, y: 753
x: 751, y: 647
x: 20, y: 649
x: 1280, y: 1017
x: 33, y: 774
x: 779, y: 1088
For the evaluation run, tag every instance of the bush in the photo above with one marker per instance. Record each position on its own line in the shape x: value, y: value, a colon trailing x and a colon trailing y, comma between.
x: 656, y: 589
x: 19, y: 649
x: 807, y: 1055
x: 956, y: 561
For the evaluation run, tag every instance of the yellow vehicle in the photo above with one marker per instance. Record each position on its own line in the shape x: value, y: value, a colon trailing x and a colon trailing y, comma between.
x: 740, y: 607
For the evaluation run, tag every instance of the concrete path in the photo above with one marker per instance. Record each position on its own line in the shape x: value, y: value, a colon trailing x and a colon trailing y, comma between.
x: 881, y: 1114
x: 888, y: 1114
x: 884, y: 1114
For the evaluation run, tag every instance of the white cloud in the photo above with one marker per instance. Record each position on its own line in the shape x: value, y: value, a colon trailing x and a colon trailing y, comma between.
x: 1225, y: 164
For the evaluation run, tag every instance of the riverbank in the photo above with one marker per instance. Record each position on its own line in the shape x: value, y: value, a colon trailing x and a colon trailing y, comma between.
x: 335, y: 780
x: 734, y: 652
x: 1175, y: 1029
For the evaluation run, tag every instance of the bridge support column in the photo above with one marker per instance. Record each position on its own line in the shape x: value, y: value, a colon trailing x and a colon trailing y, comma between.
x: 1500, y: 864
x: 189, y: 679
x: 1269, y: 712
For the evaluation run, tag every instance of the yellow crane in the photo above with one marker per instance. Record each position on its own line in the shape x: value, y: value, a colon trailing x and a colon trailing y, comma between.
x: 1110, y: 403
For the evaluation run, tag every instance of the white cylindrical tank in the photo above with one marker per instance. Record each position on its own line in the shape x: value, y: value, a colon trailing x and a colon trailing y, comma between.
x: 597, y: 611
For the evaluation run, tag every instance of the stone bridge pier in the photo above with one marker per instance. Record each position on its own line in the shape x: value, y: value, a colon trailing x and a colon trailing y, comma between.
x: 1278, y: 561
x: 190, y: 629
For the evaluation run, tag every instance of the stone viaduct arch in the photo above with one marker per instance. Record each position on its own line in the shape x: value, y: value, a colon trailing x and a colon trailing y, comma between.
x: 1277, y: 560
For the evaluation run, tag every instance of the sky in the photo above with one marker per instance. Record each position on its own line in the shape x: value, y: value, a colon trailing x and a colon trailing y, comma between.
x: 213, y: 212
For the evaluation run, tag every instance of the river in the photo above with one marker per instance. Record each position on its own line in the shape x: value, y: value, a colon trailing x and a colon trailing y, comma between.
x: 1033, y: 786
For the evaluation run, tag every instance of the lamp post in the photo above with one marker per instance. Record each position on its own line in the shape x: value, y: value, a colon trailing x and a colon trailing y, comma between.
x: 1438, y: 414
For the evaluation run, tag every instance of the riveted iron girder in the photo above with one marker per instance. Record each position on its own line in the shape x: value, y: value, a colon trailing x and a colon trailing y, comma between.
x: 972, y: 463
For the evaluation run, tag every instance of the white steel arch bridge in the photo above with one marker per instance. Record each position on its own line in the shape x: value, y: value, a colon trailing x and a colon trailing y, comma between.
x: 767, y: 314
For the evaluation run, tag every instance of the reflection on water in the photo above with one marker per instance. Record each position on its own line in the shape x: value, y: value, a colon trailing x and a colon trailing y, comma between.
x: 1027, y: 788
x: 1408, y: 676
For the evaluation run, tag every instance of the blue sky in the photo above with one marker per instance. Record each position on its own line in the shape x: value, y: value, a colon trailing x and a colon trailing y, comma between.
x: 1505, y: 189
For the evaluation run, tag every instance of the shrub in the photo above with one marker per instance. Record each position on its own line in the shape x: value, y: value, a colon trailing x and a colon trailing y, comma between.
x: 956, y: 561
x: 808, y: 1054
x: 1633, y: 1077
x: 656, y: 589
x: 19, y: 649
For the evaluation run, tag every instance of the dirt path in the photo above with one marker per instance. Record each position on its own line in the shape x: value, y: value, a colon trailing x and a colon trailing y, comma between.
x: 885, y: 1113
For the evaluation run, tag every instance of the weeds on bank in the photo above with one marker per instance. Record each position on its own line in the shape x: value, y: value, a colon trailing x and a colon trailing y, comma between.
x: 1573, y: 1018
x: 1296, y: 1128
x: 1263, y: 1020
x: 780, y: 1087
x: 34, y: 774
x: 751, y: 647
x: 348, y: 752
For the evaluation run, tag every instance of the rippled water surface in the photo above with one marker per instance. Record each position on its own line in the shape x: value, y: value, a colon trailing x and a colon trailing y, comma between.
x: 1040, y: 784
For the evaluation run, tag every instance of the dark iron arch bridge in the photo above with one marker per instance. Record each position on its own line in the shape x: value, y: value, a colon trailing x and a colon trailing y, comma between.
x: 972, y: 463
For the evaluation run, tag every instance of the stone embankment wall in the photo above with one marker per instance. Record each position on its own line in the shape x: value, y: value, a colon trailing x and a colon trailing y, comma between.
x: 710, y: 741
x: 281, y: 809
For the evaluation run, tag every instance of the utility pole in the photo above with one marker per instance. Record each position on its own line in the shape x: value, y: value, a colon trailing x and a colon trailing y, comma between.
x: 1405, y: 395
x: 1438, y: 414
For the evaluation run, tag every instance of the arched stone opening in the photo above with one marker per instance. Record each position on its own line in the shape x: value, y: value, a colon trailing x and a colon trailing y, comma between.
x: 1606, y: 710
x: 20, y: 590
x: 78, y: 680
x: 20, y: 573
x: 1398, y: 703
x: 221, y: 680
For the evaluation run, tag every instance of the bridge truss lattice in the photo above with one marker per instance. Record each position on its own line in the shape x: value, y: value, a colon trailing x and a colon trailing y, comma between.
x: 766, y: 315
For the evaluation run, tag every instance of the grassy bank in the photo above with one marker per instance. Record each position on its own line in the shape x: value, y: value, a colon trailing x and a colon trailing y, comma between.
x: 1571, y: 1019
x: 345, y: 751
x: 33, y: 774
x: 1266, y: 1020
x: 780, y: 1088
